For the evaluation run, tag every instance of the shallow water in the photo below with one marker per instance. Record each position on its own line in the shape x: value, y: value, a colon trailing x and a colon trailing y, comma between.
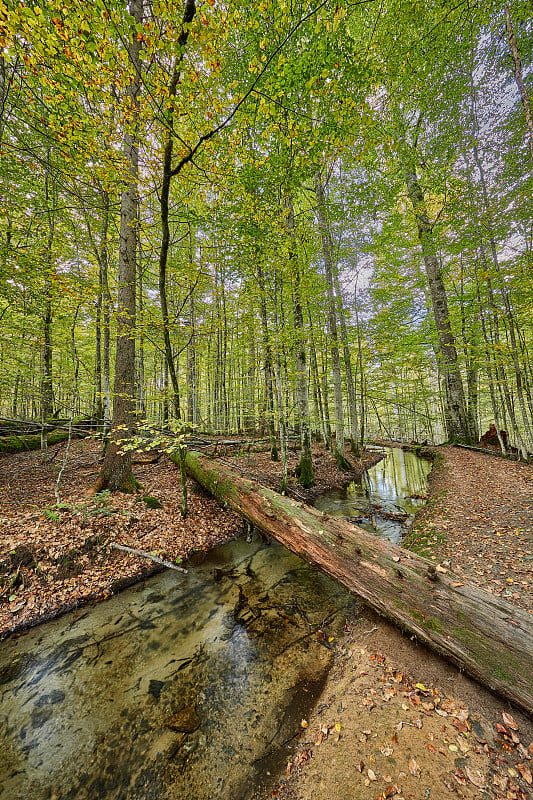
x: 396, y: 485
x: 239, y: 646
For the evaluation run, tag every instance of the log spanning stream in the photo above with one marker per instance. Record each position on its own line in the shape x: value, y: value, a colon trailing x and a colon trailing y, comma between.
x: 188, y: 686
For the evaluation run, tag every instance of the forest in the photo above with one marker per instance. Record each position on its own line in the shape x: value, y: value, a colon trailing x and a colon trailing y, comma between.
x: 289, y: 245
x: 272, y: 219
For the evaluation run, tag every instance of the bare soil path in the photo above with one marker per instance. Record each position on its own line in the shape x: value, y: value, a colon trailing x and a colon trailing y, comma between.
x: 394, y: 720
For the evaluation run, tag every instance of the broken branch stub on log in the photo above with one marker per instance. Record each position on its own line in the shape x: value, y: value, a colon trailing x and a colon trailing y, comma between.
x: 489, y: 638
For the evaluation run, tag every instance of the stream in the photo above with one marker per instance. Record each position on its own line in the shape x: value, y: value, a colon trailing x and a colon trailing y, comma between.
x: 185, y: 687
x: 388, y: 496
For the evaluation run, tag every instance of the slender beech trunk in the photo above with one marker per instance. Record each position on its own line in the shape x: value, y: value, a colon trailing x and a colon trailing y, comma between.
x: 168, y: 174
x: 267, y: 361
x: 47, y: 389
x: 279, y: 388
x: 449, y: 363
x: 467, y: 334
x: 497, y: 350
x: 350, y: 380
x: 517, y: 69
x: 488, y: 368
x: 98, y: 409
x: 224, y: 358
x: 332, y: 325
x: 106, y: 312
x: 141, y: 389
x: 192, y: 387
x: 520, y: 390
x: 316, y: 383
x: 305, y: 468
x: 116, y: 473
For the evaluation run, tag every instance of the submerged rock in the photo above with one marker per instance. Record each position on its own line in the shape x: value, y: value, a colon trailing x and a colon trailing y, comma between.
x: 184, y: 721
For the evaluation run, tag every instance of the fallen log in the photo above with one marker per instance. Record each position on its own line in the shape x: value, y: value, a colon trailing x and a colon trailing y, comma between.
x: 487, y: 637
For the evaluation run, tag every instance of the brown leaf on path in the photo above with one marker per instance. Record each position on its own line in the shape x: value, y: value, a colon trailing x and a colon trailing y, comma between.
x: 360, y: 767
x: 462, y: 714
x: 502, y: 729
x: 391, y: 790
x: 509, y: 721
x: 461, y: 726
x: 371, y: 774
x: 500, y: 781
x: 413, y: 768
x: 475, y: 777
x: 459, y: 776
x: 522, y: 752
x: 525, y: 772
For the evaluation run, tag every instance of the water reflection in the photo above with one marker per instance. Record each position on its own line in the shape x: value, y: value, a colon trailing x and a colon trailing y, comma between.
x: 184, y: 687
x: 388, y: 495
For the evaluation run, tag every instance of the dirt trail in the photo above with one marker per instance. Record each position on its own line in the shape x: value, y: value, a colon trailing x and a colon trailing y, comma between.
x: 396, y: 721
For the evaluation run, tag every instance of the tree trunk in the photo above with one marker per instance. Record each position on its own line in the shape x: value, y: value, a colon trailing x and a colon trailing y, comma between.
x: 47, y: 388
x: 267, y: 362
x: 332, y: 326
x: 507, y: 305
x: 350, y: 381
x: 316, y: 383
x: 116, y: 473
x: 106, y: 313
x: 139, y: 377
x: 517, y: 69
x: 448, y: 353
x: 168, y: 173
x: 305, y: 468
x: 487, y: 637
x: 282, y: 424
x: 192, y: 388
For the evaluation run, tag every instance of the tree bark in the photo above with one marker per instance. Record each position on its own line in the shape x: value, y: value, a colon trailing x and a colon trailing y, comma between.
x: 168, y: 174
x: 267, y: 361
x: 350, y: 381
x: 305, y: 468
x: 332, y: 326
x: 487, y: 637
x: 192, y: 388
x: 116, y: 472
x: 517, y: 69
x: 448, y: 353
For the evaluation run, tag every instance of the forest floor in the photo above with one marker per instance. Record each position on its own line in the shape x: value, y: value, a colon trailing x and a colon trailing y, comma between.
x: 393, y: 720
x: 396, y: 721
x: 55, y: 559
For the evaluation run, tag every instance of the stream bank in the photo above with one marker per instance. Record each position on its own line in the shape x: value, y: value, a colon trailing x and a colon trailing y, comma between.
x: 54, y: 560
x: 394, y: 733
x: 188, y: 686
